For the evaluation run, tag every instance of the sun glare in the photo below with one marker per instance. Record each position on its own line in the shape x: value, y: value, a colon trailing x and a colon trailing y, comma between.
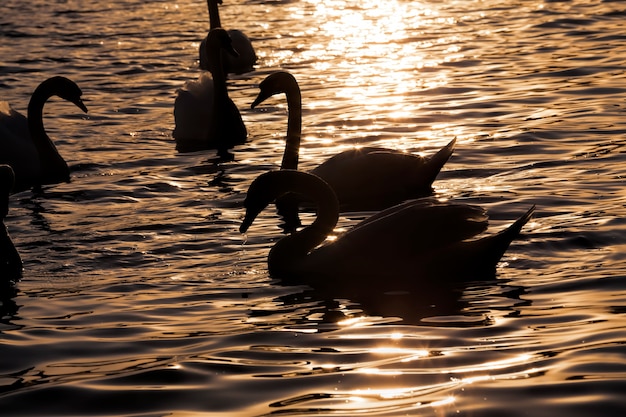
x: 379, y: 44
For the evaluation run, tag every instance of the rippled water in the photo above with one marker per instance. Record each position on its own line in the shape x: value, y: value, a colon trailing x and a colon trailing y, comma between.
x: 140, y: 297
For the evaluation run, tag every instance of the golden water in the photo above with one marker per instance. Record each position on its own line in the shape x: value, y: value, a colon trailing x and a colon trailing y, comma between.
x: 141, y: 298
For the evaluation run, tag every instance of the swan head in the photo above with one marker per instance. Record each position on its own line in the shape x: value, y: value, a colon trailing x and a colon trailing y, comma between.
x: 272, y: 185
x: 7, y: 180
x: 68, y: 90
x: 219, y: 38
x: 275, y: 83
x: 266, y: 188
x: 262, y: 191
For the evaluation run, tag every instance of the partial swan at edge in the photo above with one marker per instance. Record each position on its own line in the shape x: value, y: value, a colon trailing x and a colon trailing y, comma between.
x: 24, y: 143
x: 242, y: 44
x: 204, y: 114
x: 368, y: 178
x: 10, y: 261
x: 417, y: 240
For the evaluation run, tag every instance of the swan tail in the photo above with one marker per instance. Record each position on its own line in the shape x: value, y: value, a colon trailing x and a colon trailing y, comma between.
x: 491, y: 249
x: 436, y: 162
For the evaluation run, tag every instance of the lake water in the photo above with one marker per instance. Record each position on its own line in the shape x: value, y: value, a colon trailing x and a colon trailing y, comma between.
x: 141, y: 298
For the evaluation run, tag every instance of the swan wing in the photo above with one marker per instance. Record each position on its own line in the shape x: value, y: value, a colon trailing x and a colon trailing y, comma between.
x: 416, y: 227
x: 247, y: 57
x: 374, y: 178
x: 12, y: 122
x: 192, y: 110
x: 16, y: 146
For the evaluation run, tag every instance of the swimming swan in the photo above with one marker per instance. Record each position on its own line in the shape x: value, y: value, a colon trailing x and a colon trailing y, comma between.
x: 205, y: 117
x: 239, y: 64
x: 10, y: 261
x: 413, y: 241
x: 369, y: 178
x: 24, y: 144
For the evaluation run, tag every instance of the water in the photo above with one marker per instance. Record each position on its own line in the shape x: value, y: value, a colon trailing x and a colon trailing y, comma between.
x: 141, y: 298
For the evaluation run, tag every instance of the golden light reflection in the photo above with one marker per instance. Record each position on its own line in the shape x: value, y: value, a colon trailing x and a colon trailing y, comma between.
x: 354, y: 322
x: 494, y: 365
x: 380, y: 45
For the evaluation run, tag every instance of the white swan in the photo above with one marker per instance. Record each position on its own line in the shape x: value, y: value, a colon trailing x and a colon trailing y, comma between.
x: 24, y: 144
x: 10, y: 261
x: 368, y: 178
x: 239, y: 64
x: 204, y: 114
x: 416, y: 240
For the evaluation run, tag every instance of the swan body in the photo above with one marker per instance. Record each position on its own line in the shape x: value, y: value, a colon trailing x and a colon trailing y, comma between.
x: 205, y: 116
x: 24, y: 143
x: 246, y: 59
x: 10, y: 261
x: 393, y: 250
x: 368, y: 178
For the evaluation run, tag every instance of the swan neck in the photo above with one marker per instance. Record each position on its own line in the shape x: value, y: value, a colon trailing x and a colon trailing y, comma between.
x: 294, y: 127
x: 292, y: 250
x: 219, y: 77
x: 52, y: 164
x: 214, y: 15
x: 35, y: 114
x: 216, y: 55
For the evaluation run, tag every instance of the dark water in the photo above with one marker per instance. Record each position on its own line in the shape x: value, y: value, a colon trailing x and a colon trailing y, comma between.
x: 141, y: 298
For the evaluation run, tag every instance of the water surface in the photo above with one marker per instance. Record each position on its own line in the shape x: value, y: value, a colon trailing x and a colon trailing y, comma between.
x: 141, y: 298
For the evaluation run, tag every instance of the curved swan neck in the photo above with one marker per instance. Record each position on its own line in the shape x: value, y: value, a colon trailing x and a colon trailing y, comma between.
x: 35, y: 110
x: 49, y: 157
x: 214, y: 15
x: 290, y: 251
x: 216, y: 46
x: 294, y: 124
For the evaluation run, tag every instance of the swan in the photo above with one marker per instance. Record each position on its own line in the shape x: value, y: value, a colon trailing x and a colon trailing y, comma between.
x: 239, y: 64
x: 24, y: 144
x: 10, y: 261
x: 205, y: 117
x: 416, y: 240
x: 368, y: 178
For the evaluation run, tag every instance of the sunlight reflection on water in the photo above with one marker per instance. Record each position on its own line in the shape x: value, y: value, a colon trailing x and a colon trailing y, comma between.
x: 138, y: 284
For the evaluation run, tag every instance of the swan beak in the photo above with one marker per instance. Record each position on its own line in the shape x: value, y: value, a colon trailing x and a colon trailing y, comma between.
x: 79, y: 103
x: 260, y: 99
x: 246, y: 224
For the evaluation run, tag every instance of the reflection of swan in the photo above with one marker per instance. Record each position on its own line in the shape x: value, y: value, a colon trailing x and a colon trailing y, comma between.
x: 239, y: 64
x: 24, y: 143
x: 365, y: 178
x: 206, y: 118
x: 415, y: 240
x: 10, y: 262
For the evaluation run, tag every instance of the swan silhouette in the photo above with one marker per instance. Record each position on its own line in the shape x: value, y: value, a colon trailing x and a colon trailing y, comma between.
x: 368, y: 178
x: 24, y: 143
x: 235, y: 64
x: 416, y: 240
x: 10, y: 261
x: 205, y: 116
